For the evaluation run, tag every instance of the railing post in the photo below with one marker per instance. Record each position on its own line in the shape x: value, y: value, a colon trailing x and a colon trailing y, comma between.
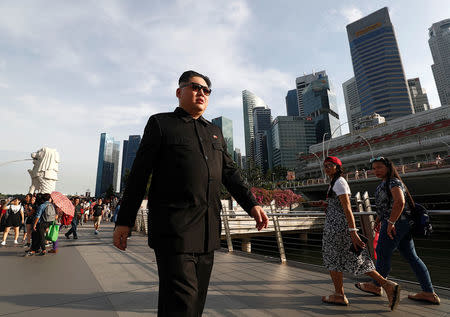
x: 226, y: 226
x: 145, y: 219
x: 276, y: 226
x: 367, y: 223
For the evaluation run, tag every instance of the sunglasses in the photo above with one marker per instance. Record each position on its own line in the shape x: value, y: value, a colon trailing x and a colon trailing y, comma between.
x: 197, y: 88
x: 377, y: 159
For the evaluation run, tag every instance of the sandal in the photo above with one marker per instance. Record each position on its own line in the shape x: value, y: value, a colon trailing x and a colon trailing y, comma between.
x: 423, y: 297
x: 392, y: 290
x: 369, y: 288
x: 335, y: 299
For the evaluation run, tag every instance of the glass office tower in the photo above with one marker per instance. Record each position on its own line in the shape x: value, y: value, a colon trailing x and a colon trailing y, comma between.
x: 262, y: 121
x: 418, y: 95
x: 320, y: 107
x: 108, y: 164
x: 377, y: 66
x: 226, y: 125
x: 292, y: 103
x: 250, y: 101
x: 130, y: 148
x: 290, y: 137
x: 352, y: 104
x: 440, y: 50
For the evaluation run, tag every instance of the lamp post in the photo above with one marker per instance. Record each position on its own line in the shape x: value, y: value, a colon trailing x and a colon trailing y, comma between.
x: 323, y: 144
x: 320, y: 165
x: 360, y: 136
x: 329, y: 140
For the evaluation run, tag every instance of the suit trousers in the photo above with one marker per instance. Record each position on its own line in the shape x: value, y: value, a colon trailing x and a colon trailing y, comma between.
x: 183, y: 282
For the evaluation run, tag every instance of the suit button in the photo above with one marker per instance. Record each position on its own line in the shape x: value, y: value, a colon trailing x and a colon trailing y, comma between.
x: 206, y: 157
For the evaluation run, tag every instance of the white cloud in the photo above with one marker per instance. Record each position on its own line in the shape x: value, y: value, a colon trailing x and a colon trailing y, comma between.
x: 351, y: 14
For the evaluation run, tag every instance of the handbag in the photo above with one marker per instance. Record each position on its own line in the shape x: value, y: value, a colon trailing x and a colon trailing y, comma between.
x: 419, y: 221
x: 52, y: 233
x: 359, y: 250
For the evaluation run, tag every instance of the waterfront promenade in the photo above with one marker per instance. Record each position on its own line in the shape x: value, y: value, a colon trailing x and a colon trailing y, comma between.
x: 89, y: 277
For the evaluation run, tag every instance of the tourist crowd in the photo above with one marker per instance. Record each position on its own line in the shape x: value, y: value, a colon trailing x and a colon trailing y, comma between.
x: 34, y: 215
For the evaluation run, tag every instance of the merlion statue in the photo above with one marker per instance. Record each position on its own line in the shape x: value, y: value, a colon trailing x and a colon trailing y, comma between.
x: 45, y: 170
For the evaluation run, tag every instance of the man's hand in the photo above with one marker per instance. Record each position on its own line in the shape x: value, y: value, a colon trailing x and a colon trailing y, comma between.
x: 120, y: 237
x: 260, y: 217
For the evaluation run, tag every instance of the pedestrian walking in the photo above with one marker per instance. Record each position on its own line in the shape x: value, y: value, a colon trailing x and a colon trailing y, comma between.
x: 76, y: 217
x: 14, y: 214
x: 97, y: 212
x: 30, y: 213
x: 394, y: 203
x: 188, y: 160
x: 26, y: 202
x: 342, y: 248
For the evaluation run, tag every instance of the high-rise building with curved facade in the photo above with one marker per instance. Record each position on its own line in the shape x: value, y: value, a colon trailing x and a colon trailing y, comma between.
x: 249, y: 102
x: 440, y: 50
x: 378, y: 68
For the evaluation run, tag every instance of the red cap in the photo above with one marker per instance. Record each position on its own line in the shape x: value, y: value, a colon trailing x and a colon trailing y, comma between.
x: 333, y: 159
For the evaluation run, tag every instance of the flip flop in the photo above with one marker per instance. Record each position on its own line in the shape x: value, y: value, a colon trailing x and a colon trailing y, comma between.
x: 396, y: 298
x: 359, y: 286
x: 332, y: 299
x: 435, y: 301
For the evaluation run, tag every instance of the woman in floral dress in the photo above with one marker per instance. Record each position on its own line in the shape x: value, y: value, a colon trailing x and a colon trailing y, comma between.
x: 339, y: 234
x: 392, y: 222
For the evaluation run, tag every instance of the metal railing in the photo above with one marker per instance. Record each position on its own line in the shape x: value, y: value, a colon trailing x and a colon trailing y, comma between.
x: 297, y: 236
x: 366, y: 174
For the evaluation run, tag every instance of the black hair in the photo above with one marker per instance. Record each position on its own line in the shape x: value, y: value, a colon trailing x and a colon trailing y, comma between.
x: 339, y: 172
x: 45, y: 197
x: 184, y: 78
x: 393, y: 173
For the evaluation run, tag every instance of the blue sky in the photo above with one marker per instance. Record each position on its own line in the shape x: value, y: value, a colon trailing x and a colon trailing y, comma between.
x: 70, y: 70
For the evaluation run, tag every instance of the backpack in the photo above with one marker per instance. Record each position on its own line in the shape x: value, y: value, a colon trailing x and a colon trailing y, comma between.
x: 419, y: 221
x: 49, y: 213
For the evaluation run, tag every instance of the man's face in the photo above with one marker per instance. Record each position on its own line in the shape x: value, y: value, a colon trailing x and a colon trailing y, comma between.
x: 194, y: 102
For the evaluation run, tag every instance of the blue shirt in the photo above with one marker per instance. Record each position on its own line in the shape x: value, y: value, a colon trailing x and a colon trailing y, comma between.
x: 40, y: 210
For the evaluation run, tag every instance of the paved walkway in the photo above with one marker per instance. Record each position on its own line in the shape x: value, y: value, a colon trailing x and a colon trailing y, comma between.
x: 89, y: 277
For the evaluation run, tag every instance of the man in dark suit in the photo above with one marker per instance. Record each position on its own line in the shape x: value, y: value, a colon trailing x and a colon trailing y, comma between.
x: 188, y: 160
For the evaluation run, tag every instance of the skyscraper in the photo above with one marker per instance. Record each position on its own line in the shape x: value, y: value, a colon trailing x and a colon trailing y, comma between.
x: 124, y: 160
x: 291, y: 136
x: 238, y: 158
x: 352, y: 104
x: 130, y: 148
x: 320, y: 107
x: 301, y: 83
x: 108, y: 164
x: 379, y: 74
x: 292, y: 103
x: 418, y: 95
x: 440, y: 50
x: 250, y: 101
x: 226, y: 125
x: 262, y: 120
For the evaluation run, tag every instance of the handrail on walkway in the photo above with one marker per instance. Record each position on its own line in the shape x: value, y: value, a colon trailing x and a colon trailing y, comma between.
x: 296, y: 235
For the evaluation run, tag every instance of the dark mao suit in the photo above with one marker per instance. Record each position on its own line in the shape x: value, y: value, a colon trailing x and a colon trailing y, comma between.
x: 189, y: 163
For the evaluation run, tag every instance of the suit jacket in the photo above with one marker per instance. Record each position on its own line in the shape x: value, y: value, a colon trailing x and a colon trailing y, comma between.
x: 189, y: 163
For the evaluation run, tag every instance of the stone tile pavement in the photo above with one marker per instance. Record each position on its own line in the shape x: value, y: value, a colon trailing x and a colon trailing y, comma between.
x: 89, y: 277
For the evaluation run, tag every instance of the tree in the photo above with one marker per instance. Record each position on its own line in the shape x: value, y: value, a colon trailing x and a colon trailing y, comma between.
x: 280, y: 172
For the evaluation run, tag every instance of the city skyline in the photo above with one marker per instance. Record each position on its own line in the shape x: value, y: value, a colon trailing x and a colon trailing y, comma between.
x: 105, y: 67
